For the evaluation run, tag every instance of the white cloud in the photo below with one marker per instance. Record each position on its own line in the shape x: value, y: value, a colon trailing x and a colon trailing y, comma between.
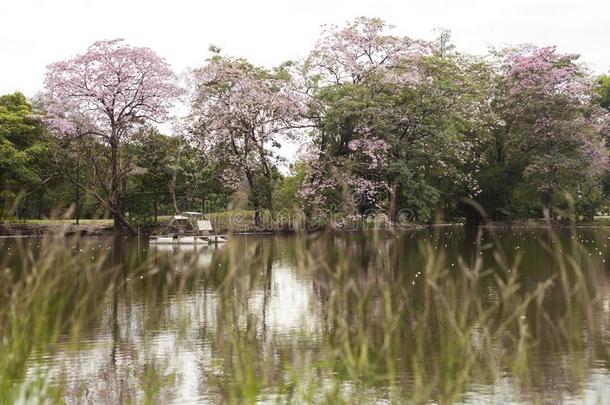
x: 34, y: 33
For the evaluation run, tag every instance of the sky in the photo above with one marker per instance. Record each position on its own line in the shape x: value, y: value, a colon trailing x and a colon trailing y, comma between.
x: 35, y: 33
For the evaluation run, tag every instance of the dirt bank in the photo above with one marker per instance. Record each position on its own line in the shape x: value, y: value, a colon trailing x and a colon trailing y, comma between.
x: 12, y: 229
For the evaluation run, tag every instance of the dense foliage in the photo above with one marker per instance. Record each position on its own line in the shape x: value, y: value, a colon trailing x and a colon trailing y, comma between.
x: 384, y: 123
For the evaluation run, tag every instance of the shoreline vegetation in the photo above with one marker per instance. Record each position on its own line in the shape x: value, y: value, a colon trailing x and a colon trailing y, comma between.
x: 224, y: 224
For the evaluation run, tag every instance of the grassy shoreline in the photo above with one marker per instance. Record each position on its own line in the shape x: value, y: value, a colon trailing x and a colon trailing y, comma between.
x: 236, y: 222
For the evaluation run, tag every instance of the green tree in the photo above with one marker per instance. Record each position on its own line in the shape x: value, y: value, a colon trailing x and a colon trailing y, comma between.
x: 544, y: 134
x: 397, y: 128
x: 22, y: 144
x: 169, y: 176
x: 603, y: 90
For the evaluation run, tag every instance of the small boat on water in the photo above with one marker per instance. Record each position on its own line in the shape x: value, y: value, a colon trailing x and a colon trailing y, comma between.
x: 175, y: 239
x: 187, y: 240
x: 216, y: 239
x: 191, y: 230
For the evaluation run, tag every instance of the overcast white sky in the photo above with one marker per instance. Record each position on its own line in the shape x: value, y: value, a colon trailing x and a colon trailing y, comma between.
x: 34, y: 33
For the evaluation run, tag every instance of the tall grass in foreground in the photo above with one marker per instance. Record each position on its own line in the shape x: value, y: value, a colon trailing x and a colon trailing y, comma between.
x: 387, y: 330
x: 39, y: 305
x: 48, y: 297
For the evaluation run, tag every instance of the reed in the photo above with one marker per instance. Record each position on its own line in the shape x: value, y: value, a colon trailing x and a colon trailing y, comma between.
x: 432, y: 329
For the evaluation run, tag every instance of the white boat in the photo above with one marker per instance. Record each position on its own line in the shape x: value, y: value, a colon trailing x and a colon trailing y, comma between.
x: 180, y: 240
x: 215, y: 239
x: 186, y: 240
x: 192, y: 229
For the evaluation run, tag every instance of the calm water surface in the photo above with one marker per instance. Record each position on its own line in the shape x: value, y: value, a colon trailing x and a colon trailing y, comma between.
x: 266, y: 311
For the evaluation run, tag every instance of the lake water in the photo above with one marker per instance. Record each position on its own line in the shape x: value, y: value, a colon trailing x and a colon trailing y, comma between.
x: 435, y: 315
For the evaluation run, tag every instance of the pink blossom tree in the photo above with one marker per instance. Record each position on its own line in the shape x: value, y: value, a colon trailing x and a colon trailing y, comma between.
x: 362, y: 48
x: 549, y: 119
x: 107, y: 93
x: 384, y: 108
x: 347, y: 79
x: 240, y: 113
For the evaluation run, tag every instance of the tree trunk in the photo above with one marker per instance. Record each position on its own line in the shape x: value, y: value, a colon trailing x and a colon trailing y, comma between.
x: 124, y: 223
x: 156, y: 210
x: 115, y: 201
x: 172, y: 186
x: 174, y: 201
x: 255, y: 202
x: 77, y: 212
x: 393, y: 209
x: 119, y: 220
x: 547, y: 198
x: 257, y: 216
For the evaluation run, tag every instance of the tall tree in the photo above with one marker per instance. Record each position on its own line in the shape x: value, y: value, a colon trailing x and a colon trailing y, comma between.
x: 240, y: 111
x: 22, y: 144
x: 107, y: 93
x: 172, y: 175
x: 547, y: 130
x: 348, y: 77
x: 388, y: 111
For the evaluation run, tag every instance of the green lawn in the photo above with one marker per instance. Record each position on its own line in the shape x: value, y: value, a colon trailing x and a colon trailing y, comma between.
x: 61, y: 221
x: 222, y: 220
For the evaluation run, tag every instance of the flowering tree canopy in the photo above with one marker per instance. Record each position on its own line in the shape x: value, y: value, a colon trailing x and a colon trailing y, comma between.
x: 382, y: 106
x: 239, y: 113
x: 111, y: 88
x: 108, y: 92
x: 550, y: 117
x: 360, y: 49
